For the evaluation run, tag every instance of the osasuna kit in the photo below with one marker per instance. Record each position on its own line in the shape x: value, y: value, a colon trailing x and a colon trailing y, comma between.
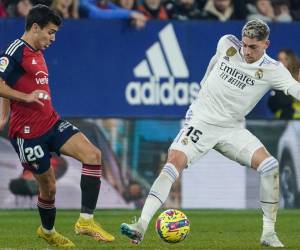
x: 230, y: 89
x: 35, y: 130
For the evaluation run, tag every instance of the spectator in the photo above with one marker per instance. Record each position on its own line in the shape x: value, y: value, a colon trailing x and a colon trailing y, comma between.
x: 290, y: 60
x: 66, y: 8
x: 295, y: 4
x: 3, y: 12
x: 201, y: 3
x: 282, y: 10
x: 103, y: 9
x: 44, y: 2
x: 283, y: 106
x: 224, y: 10
x: 295, y: 9
x: 127, y: 4
x: 183, y: 10
x: 264, y: 10
x: 153, y: 9
x: 19, y: 8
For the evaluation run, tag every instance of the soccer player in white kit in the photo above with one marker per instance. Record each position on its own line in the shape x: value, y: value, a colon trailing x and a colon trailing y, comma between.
x: 237, y: 77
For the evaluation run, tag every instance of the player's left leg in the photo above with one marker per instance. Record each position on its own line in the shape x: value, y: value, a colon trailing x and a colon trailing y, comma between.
x: 249, y: 151
x: 268, y: 168
x: 80, y: 148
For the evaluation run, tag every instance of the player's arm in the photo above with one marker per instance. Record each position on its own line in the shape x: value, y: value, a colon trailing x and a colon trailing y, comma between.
x: 294, y: 91
x: 209, y: 68
x: 283, y: 80
x: 11, y: 94
x: 214, y: 59
x: 4, y: 112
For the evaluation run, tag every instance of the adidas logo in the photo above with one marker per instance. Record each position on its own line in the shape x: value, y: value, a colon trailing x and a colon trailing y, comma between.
x: 165, y: 70
x: 33, y: 61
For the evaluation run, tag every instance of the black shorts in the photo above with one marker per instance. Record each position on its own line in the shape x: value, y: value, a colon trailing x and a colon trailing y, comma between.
x: 35, y: 153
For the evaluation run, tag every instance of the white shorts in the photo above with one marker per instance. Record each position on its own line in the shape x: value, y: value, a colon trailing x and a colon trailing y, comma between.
x: 198, y: 137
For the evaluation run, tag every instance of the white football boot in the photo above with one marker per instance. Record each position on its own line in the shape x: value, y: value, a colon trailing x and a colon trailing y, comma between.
x: 134, y: 232
x: 270, y: 239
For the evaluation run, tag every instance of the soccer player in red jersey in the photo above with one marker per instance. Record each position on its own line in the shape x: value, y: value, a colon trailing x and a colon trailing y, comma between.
x: 35, y: 129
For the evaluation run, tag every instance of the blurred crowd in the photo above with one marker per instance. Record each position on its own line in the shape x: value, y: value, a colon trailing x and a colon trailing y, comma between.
x: 283, y: 106
x: 139, y: 11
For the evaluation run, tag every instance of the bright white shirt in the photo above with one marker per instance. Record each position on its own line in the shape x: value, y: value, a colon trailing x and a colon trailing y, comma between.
x: 232, y: 87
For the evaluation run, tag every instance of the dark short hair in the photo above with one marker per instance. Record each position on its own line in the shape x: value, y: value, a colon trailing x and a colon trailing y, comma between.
x: 44, y: 2
x: 256, y: 29
x: 42, y: 15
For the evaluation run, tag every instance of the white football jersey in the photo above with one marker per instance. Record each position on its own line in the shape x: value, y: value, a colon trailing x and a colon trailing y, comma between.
x: 231, y: 87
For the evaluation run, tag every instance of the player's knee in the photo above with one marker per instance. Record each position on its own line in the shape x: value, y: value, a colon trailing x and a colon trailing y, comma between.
x: 259, y: 155
x: 93, y: 157
x: 52, y: 192
x: 170, y: 171
x: 269, y: 181
x: 268, y: 165
x: 48, y: 192
x: 178, y: 159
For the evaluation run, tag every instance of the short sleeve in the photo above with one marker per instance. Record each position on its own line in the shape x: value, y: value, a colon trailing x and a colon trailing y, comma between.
x: 282, y: 79
x: 7, y: 66
x: 222, y: 43
x: 10, y: 63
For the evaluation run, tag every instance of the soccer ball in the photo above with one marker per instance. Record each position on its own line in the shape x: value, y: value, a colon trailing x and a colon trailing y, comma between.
x: 172, y: 226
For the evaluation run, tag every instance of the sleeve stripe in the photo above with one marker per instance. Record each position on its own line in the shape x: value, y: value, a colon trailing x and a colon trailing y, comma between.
x: 13, y: 47
x: 235, y: 41
x: 10, y: 46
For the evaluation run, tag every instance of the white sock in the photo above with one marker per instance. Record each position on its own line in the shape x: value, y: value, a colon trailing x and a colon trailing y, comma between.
x: 268, y: 225
x: 158, y: 193
x: 269, y: 192
x: 86, y: 216
x: 48, y: 231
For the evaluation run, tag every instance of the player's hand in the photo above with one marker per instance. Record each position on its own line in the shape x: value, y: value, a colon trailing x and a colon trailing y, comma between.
x: 3, y: 122
x: 37, y: 96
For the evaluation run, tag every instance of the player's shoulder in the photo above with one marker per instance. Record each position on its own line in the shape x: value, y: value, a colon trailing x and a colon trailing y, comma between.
x: 14, y: 50
x: 228, y: 41
x: 269, y: 62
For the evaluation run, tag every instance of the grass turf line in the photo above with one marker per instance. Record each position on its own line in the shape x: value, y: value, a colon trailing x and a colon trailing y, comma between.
x: 210, y: 229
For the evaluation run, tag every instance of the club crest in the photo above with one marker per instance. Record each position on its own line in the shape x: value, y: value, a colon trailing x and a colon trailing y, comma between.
x: 3, y: 63
x: 259, y: 74
x: 231, y: 51
x: 185, y: 141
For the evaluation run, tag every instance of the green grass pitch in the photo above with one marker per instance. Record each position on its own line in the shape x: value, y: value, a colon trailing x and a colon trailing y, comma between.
x: 210, y: 229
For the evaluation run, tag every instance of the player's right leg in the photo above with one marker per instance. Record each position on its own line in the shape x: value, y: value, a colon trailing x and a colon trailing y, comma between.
x: 158, y: 194
x: 192, y: 141
x: 47, y: 211
x: 35, y: 157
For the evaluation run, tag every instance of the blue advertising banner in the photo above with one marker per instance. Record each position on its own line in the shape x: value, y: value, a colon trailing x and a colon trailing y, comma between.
x: 109, y: 69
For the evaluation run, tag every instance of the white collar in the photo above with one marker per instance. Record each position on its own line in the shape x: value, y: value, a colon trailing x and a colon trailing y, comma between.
x: 256, y: 63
